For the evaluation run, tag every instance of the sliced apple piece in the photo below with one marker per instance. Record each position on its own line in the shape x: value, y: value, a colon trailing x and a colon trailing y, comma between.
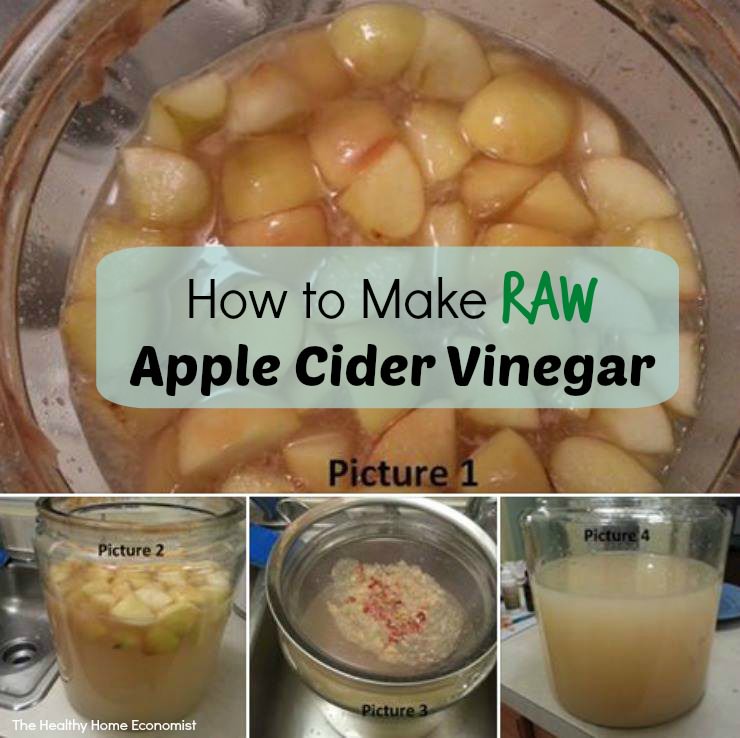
x: 214, y: 594
x: 521, y: 418
x: 161, y: 129
x: 97, y: 572
x: 654, y: 464
x: 574, y: 413
x: 309, y: 57
x: 646, y: 430
x: 121, y: 588
x: 141, y: 422
x: 554, y: 204
x: 308, y: 459
x: 159, y: 640
x: 304, y: 226
x: 519, y: 117
x: 210, y: 438
x: 432, y: 134
x: 423, y: 437
x: 59, y: 574
x: 171, y: 577
x: 89, y: 626
x: 160, y: 467
x: 447, y: 224
x: 507, y: 463
x: 126, y: 640
x: 489, y: 187
x: 685, y: 401
x: 103, y: 601
x: 197, y: 105
x: 256, y: 480
x: 78, y: 331
x: 220, y: 579
x: 376, y: 41
x: 108, y: 236
x: 267, y: 175
x: 516, y: 234
x: 581, y: 464
x: 153, y: 597
x: 367, y: 199
x: 669, y: 236
x: 343, y: 133
x: 376, y: 419
x: 133, y: 611
x: 623, y: 192
x: 96, y: 586
x: 164, y: 187
x: 180, y: 617
x: 136, y: 578
x: 597, y: 134
x: 266, y: 100
x: 449, y: 63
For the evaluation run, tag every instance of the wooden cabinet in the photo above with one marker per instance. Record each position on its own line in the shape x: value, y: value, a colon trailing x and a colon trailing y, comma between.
x: 514, y: 725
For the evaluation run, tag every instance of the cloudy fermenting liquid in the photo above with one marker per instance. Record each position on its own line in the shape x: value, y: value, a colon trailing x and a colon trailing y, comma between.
x: 627, y: 636
x: 137, y: 641
x: 422, y: 131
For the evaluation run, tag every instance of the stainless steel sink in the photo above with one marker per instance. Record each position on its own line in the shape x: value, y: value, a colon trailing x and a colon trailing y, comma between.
x: 282, y: 707
x: 27, y: 660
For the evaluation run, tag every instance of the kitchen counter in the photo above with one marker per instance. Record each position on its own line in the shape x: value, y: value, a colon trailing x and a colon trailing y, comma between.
x: 524, y: 687
x: 222, y: 713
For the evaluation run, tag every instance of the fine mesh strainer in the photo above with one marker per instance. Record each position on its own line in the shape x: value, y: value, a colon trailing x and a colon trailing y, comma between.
x: 420, y: 532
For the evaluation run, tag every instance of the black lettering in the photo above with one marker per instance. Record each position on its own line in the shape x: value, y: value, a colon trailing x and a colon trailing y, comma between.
x: 210, y: 298
x: 337, y: 469
x: 543, y: 366
x: 637, y: 364
x: 264, y: 366
x: 612, y: 371
x: 301, y: 368
x: 462, y: 376
x: 173, y: 376
x: 583, y: 379
x: 418, y: 364
x: 147, y: 367
x: 472, y: 298
x: 242, y: 304
x: 208, y: 379
x: 505, y: 364
x: 392, y: 299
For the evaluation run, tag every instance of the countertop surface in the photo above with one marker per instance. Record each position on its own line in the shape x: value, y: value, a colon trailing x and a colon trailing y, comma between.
x: 222, y: 713
x: 525, y: 688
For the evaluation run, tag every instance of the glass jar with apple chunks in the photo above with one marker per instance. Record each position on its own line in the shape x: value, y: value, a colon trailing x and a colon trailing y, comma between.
x: 136, y: 640
x: 385, y: 125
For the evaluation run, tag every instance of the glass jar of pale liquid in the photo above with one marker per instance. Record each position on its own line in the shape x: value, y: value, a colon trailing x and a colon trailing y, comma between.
x: 138, y: 591
x: 626, y: 592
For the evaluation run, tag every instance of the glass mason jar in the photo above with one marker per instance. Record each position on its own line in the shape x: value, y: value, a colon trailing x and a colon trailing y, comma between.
x: 669, y: 66
x: 626, y: 592
x: 138, y: 592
